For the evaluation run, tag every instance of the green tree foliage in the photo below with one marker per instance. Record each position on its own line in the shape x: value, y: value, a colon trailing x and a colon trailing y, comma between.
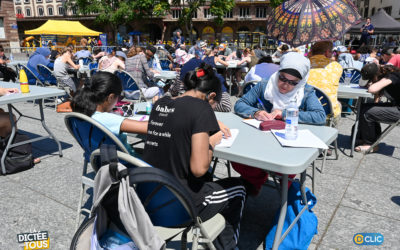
x: 218, y: 8
x: 275, y: 3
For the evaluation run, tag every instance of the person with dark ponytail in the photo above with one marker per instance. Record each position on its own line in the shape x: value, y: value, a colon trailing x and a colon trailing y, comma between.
x: 97, y: 99
x: 181, y: 137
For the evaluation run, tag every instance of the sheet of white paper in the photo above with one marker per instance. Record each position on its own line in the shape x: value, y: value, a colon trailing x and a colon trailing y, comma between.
x: 252, y: 122
x: 305, y: 139
x: 144, y: 118
x: 227, y: 142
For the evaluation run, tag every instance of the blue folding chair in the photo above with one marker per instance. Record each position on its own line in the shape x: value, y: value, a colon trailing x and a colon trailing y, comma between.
x: 90, y: 135
x: 128, y: 83
x: 328, y: 108
x: 355, y: 76
x: 93, y: 65
x: 86, y: 60
x: 165, y: 64
x: 93, y: 72
x: 47, y: 74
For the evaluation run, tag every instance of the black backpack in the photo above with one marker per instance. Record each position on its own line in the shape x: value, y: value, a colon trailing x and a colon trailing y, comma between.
x: 19, y: 158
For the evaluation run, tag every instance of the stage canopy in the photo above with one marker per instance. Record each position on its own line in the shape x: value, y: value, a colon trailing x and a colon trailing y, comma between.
x: 382, y: 22
x: 61, y: 27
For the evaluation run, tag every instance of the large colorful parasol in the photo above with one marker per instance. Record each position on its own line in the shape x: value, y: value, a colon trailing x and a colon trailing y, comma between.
x: 299, y: 22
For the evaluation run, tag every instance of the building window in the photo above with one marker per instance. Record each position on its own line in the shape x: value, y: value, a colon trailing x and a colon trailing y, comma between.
x: 50, y: 11
x: 40, y: 11
x: 49, y: 1
x: 207, y: 13
x: 27, y: 12
x: 244, y: 12
x: 228, y: 14
x: 39, y: 1
x: 74, y: 10
x: 194, y: 14
x: 17, y: 1
x: 388, y: 10
x: 261, y: 12
x: 372, y: 11
x: 2, y: 34
x: 60, y: 10
x: 176, y: 13
x: 19, y: 11
x: 26, y: 1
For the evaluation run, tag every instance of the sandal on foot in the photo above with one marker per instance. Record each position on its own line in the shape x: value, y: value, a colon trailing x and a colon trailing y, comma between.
x: 36, y: 160
x: 365, y: 148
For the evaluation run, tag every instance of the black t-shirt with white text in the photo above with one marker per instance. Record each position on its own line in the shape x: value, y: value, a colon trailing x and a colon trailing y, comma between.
x: 171, y: 126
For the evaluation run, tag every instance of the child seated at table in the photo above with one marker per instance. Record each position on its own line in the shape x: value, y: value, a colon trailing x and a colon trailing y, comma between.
x: 97, y: 99
x: 182, y: 134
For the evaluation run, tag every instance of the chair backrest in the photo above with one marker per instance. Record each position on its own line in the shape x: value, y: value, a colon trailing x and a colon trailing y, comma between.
x: 32, y: 78
x: 165, y: 64
x: 355, y: 75
x: 167, y: 202
x: 93, y: 65
x: 90, y: 134
x: 47, y: 74
x: 128, y: 83
x: 157, y: 190
x: 93, y: 71
x: 325, y: 102
x: 86, y: 60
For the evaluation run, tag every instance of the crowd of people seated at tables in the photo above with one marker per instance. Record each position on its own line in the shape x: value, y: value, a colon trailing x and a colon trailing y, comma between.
x: 201, y: 87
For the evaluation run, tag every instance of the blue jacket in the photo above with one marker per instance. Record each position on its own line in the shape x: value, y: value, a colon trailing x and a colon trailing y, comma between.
x: 310, y: 110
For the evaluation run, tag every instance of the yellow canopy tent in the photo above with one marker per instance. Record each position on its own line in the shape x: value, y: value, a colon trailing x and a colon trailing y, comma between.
x: 61, y: 27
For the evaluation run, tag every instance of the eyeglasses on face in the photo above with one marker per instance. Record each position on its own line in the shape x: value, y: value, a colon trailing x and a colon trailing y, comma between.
x: 284, y: 79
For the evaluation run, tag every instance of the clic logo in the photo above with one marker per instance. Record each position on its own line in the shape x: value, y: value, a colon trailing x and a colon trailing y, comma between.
x: 371, y: 239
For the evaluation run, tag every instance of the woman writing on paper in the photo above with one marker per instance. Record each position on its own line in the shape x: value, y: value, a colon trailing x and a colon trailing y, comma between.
x: 181, y: 137
x: 275, y: 93
x: 268, y: 100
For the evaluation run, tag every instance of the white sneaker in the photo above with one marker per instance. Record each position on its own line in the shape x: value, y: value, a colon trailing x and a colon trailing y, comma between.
x: 59, y: 101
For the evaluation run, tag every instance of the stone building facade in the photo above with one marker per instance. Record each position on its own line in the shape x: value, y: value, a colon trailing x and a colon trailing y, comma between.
x: 8, y: 25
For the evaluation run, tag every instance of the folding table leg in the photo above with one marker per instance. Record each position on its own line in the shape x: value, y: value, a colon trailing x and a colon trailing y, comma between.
x: 48, y: 130
x: 353, y: 139
x: 10, y: 140
x: 282, y: 215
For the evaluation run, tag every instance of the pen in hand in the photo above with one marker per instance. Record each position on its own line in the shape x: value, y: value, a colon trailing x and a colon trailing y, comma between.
x: 262, y: 104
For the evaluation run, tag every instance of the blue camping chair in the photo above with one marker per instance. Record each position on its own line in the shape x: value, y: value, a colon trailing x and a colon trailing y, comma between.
x: 32, y: 78
x: 90, y: 135
x: 128, y: 83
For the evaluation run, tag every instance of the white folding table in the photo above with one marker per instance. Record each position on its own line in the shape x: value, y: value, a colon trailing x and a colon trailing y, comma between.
x: 36, y: 93
x: 354, y: 91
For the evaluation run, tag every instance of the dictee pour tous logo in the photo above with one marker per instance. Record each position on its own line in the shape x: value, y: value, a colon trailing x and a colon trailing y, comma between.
x: 34, y: 240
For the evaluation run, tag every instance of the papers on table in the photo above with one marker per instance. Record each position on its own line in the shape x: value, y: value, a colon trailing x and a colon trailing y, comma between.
x: 144, y: 118
x: 305, y: 139
x: 252, y: 122
x: 232, y: 64
x: 227, y: 142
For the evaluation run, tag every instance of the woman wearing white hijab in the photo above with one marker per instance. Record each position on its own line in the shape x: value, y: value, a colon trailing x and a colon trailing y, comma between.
x: 275, y: 94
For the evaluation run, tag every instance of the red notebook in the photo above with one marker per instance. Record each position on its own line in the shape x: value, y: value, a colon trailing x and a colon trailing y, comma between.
x: 272, y: 124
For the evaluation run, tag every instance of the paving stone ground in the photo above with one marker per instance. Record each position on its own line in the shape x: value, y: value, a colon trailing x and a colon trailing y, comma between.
x: 355, y: 195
